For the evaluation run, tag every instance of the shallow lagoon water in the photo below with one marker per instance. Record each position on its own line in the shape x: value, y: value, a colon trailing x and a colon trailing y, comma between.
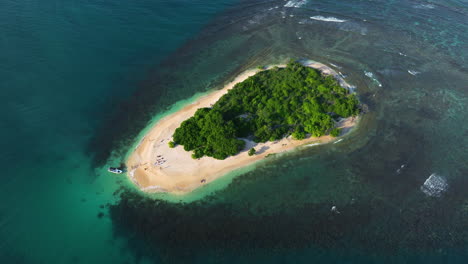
x: 71, y: 74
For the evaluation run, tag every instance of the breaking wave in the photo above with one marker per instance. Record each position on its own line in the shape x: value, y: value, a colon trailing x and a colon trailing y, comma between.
x: 371, y: 75
x: 413, y: 72
x: 313, y: 144
x: 328, y: 19
x: 424, y: 6
x: 339, y: 140
x: 295, y: 3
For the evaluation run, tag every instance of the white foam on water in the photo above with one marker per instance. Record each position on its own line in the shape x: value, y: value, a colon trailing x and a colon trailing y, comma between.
x: 399, y: 170
x: 413, y: 72
x: 155, y: 188
x: 402, y: 54
x: 339, y: 140
x: 371, y: 75
x: 434, y: 186
x: 131, y: 173
x: 352, y: 88
x: 328, y: 19
x: 298, y: 35
x: 313, y: 144
x: 424, y: 6
x: 334, y: 65
x: 295, y: 3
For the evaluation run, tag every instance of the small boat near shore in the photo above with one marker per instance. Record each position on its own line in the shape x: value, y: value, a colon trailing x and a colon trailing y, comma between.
x: 115, y: 170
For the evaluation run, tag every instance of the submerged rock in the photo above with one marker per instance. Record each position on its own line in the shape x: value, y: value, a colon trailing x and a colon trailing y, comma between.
x: 434, y: 186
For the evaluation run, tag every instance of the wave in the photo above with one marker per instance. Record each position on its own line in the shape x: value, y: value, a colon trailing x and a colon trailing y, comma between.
x: 413, y: 72
x: 399, y: 170
x: 328, y: 19
x: 342, y: 75
x: 339, y: 140
x: 424, y: 6
x: 371, y: 75
x: 155, y: 188
x: 313, y: 144
x: 295, y: 3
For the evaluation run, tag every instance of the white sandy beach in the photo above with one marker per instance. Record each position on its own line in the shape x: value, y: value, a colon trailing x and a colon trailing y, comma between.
x: 155, y: 167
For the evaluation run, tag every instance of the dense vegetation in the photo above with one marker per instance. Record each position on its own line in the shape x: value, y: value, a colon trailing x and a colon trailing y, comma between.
x: 268, y: 106
x: 335, y: 132
x: 252, y: 152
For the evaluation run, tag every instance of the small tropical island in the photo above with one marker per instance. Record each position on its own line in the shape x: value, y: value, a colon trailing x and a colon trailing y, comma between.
x: 262, y: 112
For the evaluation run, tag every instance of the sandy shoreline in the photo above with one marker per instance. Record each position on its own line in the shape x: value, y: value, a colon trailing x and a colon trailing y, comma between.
x: 154, y: 167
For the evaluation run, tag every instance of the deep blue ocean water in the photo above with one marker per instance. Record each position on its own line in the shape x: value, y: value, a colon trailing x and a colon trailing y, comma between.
x: 80, y: 79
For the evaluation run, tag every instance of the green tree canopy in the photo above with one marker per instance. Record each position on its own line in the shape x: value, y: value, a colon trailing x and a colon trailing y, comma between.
x: 251, y: 152
x: 268, y: 106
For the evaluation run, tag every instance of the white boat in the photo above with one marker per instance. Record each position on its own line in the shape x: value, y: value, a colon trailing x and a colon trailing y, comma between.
x: 115, y: 170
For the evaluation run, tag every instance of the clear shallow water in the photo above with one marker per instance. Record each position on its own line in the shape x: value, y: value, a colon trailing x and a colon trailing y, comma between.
x: 71, y: 71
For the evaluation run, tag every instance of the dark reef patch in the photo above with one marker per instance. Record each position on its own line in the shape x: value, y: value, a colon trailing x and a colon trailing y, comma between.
x: 177, y: 232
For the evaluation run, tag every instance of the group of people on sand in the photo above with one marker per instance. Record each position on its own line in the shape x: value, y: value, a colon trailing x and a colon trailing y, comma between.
x: 160, y: 160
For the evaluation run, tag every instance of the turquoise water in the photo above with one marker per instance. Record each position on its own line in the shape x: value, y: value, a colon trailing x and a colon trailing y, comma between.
x: 81, y: 79
x: 65, y: 66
